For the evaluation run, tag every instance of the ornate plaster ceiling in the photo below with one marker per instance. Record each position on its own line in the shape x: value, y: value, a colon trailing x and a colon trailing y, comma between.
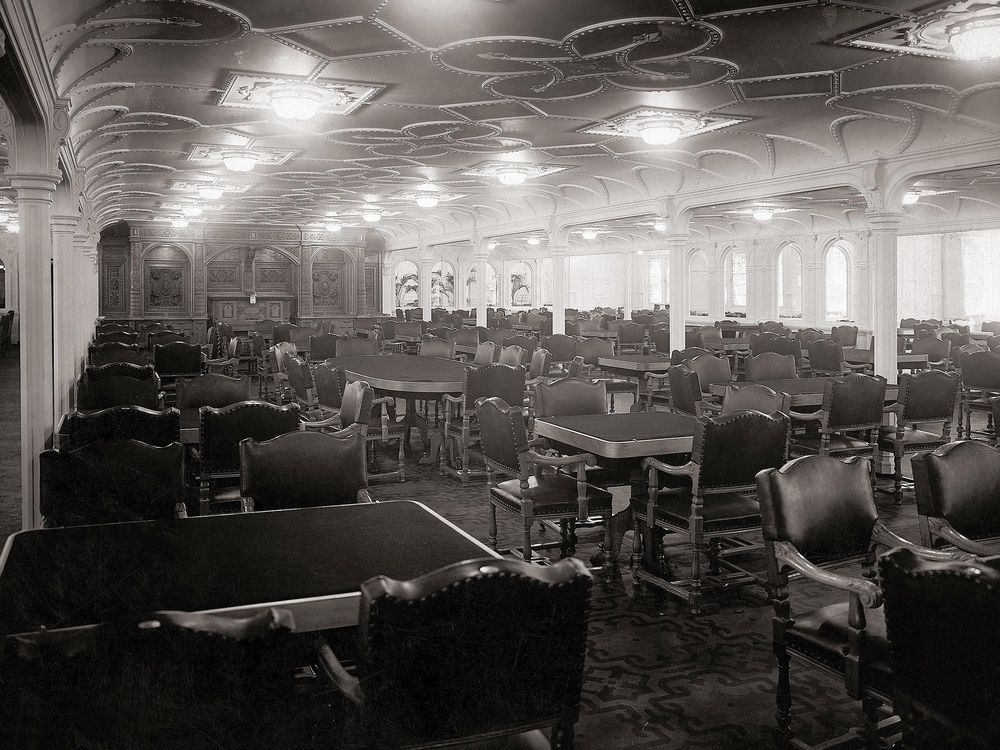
x: 430, y: 93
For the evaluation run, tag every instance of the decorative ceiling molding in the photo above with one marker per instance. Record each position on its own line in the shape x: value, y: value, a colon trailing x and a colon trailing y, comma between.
x: 629, y: 124
x: 251, y: 91
x: 268, y: 157
x: 495, y: 168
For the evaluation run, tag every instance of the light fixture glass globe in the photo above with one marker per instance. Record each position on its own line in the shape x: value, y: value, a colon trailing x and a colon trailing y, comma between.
x: 179, y: 223
x: 911, y: 197
x: 660, y: 226
x: 512, y: 176
x: 13, y: 226
x: 192, y: 210
x: 333, y: 226
x: 296, y: 101
x: 661, y: 132
x: 371, y: 216
x: 762, y: 214
x: 534, y: 241
x: 210, y: 192
x: 588, y: 234
x: 976, y: 38
x: 427, y: 201
x: 240, y: 160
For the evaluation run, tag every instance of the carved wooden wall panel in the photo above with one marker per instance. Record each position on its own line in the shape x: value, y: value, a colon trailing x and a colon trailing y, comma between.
x: 328, y: 288
x: 165, y: 288
x: 114, y: 288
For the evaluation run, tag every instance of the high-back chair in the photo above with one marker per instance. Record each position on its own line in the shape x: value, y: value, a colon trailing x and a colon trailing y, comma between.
x: 330, y: 382
x: 323, y: 346
x: 925, y: 399
x: 517, y: 624
x: 771, y: 366
x: 119, y: 384
x: 437, y: 347
x: 177, y: 359
x: 826, y: 358
x: 220, y: 435
x: 228, y: 363
x: 301, y: 336
x: 300, y: 379
x: 112, y: 481
x: 631, y: 337
x: 486, y: 354
x: 660, y: 340
x: 78, y: 429
x: 106, y: 353
x: 562, y: 348
x: 709, y: 498
x: 570, y: 397
x: 592, y: 350
x: 755, y: 397
x: 511, y: 355
x: 980, y: 384
x: 461, y: 427
x: 162, y: 337
x: 685, y: 391
x: 304, y: 470
x: 845, y: 335
x: 938, y: 351
x: 349, y: 346
x: 212, y: 389
x: 117, y: 337
x: 281, y: 332
x: 680, y: 356
x: 818, y: 514
x: 533, y: 494
x: 711, y: 371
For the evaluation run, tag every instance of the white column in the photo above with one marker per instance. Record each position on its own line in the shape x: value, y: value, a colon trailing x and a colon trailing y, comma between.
x: 885, y: 229
x: 812, y: 281
x: 629, y: 285
x: 558, y: 289
x: 503, y: 284
x: 34, y: 207
x: 481, y: 273
x: 65, y: 310
x: 678, y: 246
x: 388, y: 291
x: 426, y: 264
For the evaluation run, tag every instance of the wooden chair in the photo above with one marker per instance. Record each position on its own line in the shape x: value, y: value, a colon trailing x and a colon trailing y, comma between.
x: 106, y: 353
x: 162, y: 338
x: 229, y: 362
x: 112, y: 481
x: 711, y: 371
x: 281, y: 332
x: 330, y: 383
x: 845, y: 335
x: 925, y: 399
x: 437, y: 347
x: 659, y: 338
x: 486, y: 354
x: 534, y: 494
x: 980, y: 384
x: 177, y: 359
x: 461, y: 427
x: 304, y: 470
x: 117, y: 337
x: 322, y: 346
x: 826, y: 359
x: 77, y: 429
x: 212, y: 389
x: 348, y: 346
x: 300, y: 379
x: 940, y: 621
x: 755, y: 397
x: 277, y: 386
x: 527, y: 343
x: 680, y: 356
x: 958, y: 496
x: 222, y: 430
x: 511, y: 355
x: 771, y: 366
x: 488, y: 606
x: 119, y: 384
x: 818, y: 514
x: 631, y: 337
x: 265, y: 328
x: 938, y: 351
x: 710, y: 499
x: 685, y: 394
x: 592, y: 350
x: 561, y: 348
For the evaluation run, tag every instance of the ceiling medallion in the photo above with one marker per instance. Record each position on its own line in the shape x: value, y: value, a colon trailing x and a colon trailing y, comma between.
x: 660, y: 127
x: 239, y: 160
x: 265, y: 156
x: 186, y: 186
x: 210, y: 192
x: 976, y: 37
x: 294, y: 98
x: 512, y: 173
x: 421, y: 196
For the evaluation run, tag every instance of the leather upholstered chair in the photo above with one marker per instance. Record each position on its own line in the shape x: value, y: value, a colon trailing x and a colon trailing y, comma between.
x: 680, y: 356
x: 941, y: 626
x: 755, y: 397
x: 631, y: 337
x: 304, y: 470
x: 570, y: 396
x: 592, y: 350
x: 958, y: 496
x: 301, y: 337
x: 281, y: 332
x: 112, y: 327
x: 221, y: 432
x: 117, y: 336
x: 486, y: 354
x: 211, y: 389
x: 826, y: 359
x: 770, y: 366
x: 300, y: 379
x: 852, y: 407
x: 276, y: 375
x: 845, y: 335
x: 572, y: 328
x: 512, y: 356
x: 441, y: 332
x: 925, y: 399
x: 938, y: 351
x: 408, y: 631
x: 330, y: 382
x: 349, y: 346
x: 437, y: 347
x: 538, y: 372
x: 980, y: 384
x: 229, y: 361
x: 709, y: 498
x: 561, y: 348
x: 323, y: 346
x: 162, y: 338
x: 660, y: 340
x: 176, y: 360
x: 773, y: 326
x: 105, y: 354
x: 119, y: 384
x: 818, y: 514
x: 112, y: 481
x: 534, y: 494
x: 78, y: 429
x: 711, y: 371
x: 685, y: 391
x: 461, y: 427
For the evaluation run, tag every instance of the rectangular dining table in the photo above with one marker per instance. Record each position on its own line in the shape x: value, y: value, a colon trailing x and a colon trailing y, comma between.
x: 804, y: 391
x: 903, y: 361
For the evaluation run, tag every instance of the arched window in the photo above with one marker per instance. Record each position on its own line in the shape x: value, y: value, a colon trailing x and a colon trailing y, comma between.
x: 443, y: 284
x: 407, y: 284
x: 789, y: 284
x: 520, y: 285
x: 659, y: 280
x: 837, y: 272
x: 699, y: 284
x: 735, y: 269
x: 472, y: 287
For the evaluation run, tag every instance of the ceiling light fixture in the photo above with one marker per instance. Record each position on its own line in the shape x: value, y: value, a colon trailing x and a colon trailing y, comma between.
x: 13, y: 226
x: 333, y: 226
x: 661, y: 131
x: 638, y: 252
x: 240, y: 160
x: 534, y: 241
x: 660, y: 226
x: 491, y: 246
x: 588, y: 234
x: 4, y: 216
x: 371, y: 215
x: 179, y: 223
x: 512, y: 176
x: 762, y: 214
x: 296, y: 101
x: 910, y: 197
x: 427, y: 201
x: 191, y: 210
x: 210, y: 192
x: 976, y: 38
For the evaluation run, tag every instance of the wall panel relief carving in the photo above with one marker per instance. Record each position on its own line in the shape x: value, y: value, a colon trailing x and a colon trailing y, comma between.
x: 328, y: 287
x: 224, y: 276
x: 165, y: 287
x: 274, y: 277
x: 114, y: 286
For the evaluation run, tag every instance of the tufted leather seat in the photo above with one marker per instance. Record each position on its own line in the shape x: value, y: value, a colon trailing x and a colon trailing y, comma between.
x: 551, y: 494
x: 721, y: 512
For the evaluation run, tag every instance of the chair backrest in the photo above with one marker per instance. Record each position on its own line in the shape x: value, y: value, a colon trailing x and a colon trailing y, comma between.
x: 711, y: 370
x: 807, y: 335
x: 503, y: 434
x: 465, y: 336
x: 773, y: 326
x: 991, y: 326
x: 845, y: 335
x: 323, y: 346
x: 528, y: 343
x: 928, y: 396
x: 111, y: 481
x: 356, y: 403
x: 486, y: 353
x: 300, y: 336
x: 756, y: 397
x: 163, y: 337
x: 732, y: 448
x: 854, y: 402
x: 212, y: 389
x: 571, y: 328
x: 935, y: 349
x: 761, y: 342
x: 826, y: 355
x: 499, y: 380
x: 960, y: 482
x: 437, y: 347
x: 108, y: 352
x: 223, y: 429
x: 631, y: 333
x: 956, y: 338
x: 265, y: 327
x: 414, y: 314
x: 388, y: 326
x: 562, y: 348
x: 410, y: 328
x: 349, y: 346
x: 709, y: 336
x: 330, y: 382
x: 570, y: 396
x: 685, y: 390
x: 177, y: 358
x: 110, y: 327
x: 540, y: 360
x: 908, y: 322
x: 157, y: 428
x: 511, y: 355
x: 660, y: 339
x: 301, y: 380
x: 281, y: 332
x: 593, y: 349
x: 940, y: 620
x: 680, y: 356
x: 117, y: 337
x: 981, y: 370
x: 771, y: 366
x: 304, y: 469
x: 441, y: 332
x: 518, y: 624
x: 118, y: 384
x: 822, y: 505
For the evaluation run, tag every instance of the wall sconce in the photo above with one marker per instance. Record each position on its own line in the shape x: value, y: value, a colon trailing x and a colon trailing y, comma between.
x: 253, y: 298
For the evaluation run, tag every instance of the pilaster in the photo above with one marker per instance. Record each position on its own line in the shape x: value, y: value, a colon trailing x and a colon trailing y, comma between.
x: 885, y: 230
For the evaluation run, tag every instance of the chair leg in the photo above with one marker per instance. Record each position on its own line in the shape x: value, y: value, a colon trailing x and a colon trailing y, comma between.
x: 612, y: 409
x: 713, y: 555
x: 465, y: 458
x: 870, y: 708
x: 401, y: 456
x: 783, y: 698
x: 527, y: 540
x: 697, y: 530
x: 572, y: 537
x: 492, y: 539
x: 897, y: 478
x: 563, y: 538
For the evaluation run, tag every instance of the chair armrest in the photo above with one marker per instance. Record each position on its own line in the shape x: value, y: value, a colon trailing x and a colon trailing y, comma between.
x: 579, y: 458
x: 950, y: 534
x: 651, y: 376
x: 345, y: 682
x: 867, y: 591
x: 857, y: 368
x: 686, y: 470
x: 812, y: 416
x: 383, y: 401
x: 323, y: 423
x: 883, y: 536
x: 448, y: 398
x: 538, y: 442
x: 364, y: 496
x: 709, y: 406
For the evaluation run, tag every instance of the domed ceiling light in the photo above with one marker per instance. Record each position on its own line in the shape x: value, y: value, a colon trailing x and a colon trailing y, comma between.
x: 371, y: 215
x: 210, y: 192
x: 660, y: 226
x: 191, y: 210
x: 512, y: 176
x: 976, y: 38
x: 179, y: 223
x: 588, y: 234
x: 491, y: 246
x: 762, y: 214
x: 534, y: 241
x: 427, y: 201
x: 333, y: 226
x: 910, y: 197
x: 661, y: 131
x: 240, y: 160
x: 296, y: 101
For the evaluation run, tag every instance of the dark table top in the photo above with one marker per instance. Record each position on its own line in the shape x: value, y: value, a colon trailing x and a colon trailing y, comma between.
x: 635, y: 363
x: 804, y: 391
x: 311, y: 560
x: 626, y: 435
x: 404, y: 373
